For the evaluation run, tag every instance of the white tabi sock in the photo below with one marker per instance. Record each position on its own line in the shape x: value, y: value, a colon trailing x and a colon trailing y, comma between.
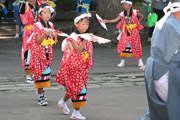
x: 28, y: 77
x: 16, y: 36
x: 122, y: 61
x: 76, y: 113
x: 62, y: 102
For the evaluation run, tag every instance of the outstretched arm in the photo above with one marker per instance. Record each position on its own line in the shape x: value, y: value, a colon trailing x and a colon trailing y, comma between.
x: 113, y: 20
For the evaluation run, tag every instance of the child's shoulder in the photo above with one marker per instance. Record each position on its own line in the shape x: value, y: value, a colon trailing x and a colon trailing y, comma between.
x: 121, y: 14
x: 35, y: 27
x: 135, y: 11
x: 74, y: 35
x: 38, y: 24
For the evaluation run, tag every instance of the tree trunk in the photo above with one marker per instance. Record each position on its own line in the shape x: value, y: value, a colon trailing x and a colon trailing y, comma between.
x: 108, y: 9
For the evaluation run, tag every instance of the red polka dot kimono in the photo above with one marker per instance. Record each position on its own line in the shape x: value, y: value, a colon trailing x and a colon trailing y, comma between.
x: 133, y: 38
x: 74, y: 71
x: 28, y: 20
x: 38, y: 61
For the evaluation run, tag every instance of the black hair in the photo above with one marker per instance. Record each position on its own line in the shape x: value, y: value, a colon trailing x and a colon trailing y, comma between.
x: 80, y: 13
x: 73, y: 28
x: 42, y: 6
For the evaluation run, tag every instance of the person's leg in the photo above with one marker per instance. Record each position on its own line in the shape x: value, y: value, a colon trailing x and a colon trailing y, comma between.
x: 27, y: 71
x: 42, y: 100
x: 62, y: 104
x: 147, y: 115
x: 122, y: 63
x: 42, y: 82
x: 151, y: 29
x: 17, y: 31
x: 66, y: 97
x: 0, y: 15
x: 77, y: 115
x: 79, y: 101
x: 40, y: 90
x: 18, y: 23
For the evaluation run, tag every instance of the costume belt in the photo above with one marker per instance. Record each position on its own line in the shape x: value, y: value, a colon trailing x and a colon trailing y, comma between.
x: 86, y: 6
x: 28, y: 27
x: 48, y: 42
x: 85, y: 56
x: 129, y: 27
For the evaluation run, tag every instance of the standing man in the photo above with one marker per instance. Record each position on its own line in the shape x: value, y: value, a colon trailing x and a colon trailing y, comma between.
x: 29, y: 16
x: 144, y: 11
x: 3, y: 9
x: 157, y: 7
x: 17, y: 18
x: 163, y: 67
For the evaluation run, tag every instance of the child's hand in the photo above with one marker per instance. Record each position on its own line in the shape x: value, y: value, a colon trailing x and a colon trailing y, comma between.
x: 105, y: 21
x: 47, y: 33
x: 142, y: 67
x: 85, y: 41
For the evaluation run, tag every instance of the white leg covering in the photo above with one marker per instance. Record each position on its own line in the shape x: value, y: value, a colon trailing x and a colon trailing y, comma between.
x: 161, y: 87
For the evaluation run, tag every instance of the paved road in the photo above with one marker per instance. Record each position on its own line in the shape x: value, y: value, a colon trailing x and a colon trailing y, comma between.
x: 105, y: 59
x: 117, y: 103
x: 17, y: 83
x: 113, y: 93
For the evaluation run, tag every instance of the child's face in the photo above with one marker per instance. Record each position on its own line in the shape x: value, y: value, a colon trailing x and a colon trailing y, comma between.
x: 82, y: 25
x: 126, y: 6
x: 45, y: 14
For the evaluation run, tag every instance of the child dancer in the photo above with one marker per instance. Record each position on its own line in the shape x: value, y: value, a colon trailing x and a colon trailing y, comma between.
x: 29, y: 16
x: 41, y: 52
x: 129, y: 41
x: 74, y: 71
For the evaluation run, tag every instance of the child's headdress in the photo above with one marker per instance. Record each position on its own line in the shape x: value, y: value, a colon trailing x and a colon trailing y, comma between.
x: 170, y: 8
x: 43, y: 6
x: 82, y: 16
x: 126, y: 1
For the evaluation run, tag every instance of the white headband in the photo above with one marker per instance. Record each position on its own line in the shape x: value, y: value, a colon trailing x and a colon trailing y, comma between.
x: 41, y: 9
x: 126, y: 1
x: 84, y: 15
x: 174, y: 7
